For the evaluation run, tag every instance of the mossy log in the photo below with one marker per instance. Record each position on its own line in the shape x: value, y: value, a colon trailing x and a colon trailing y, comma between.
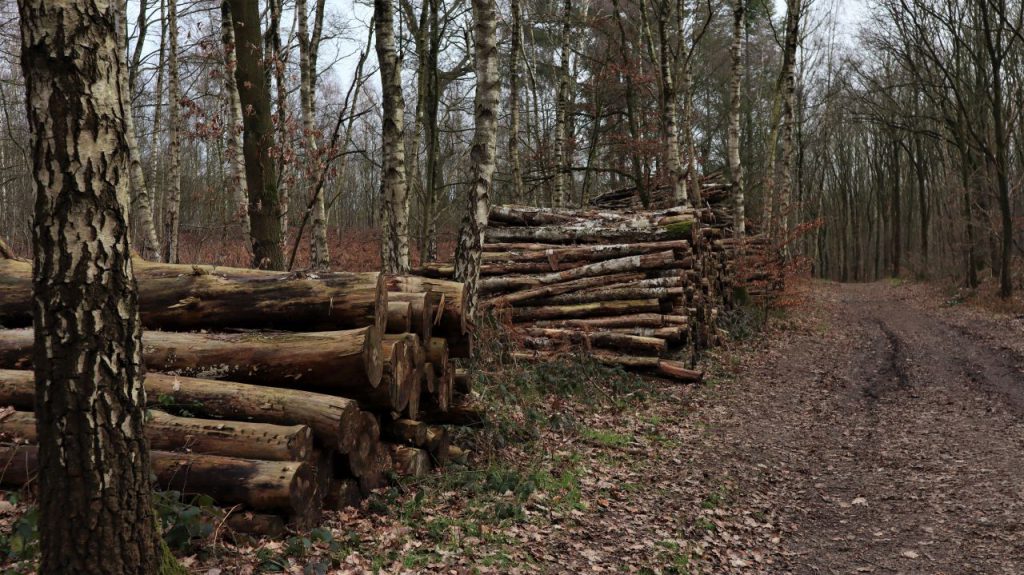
x: 191, y: 297
x: 335, y: 421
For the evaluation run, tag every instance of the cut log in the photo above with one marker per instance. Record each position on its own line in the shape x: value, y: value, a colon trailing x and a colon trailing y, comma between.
x: 527, y: 216
x: 415, y: 385
x: 345, y: 363
x: 628, y: 320
x: 399, y: 317
x: 602, y: 339
x: 587, y: 253
x: 451, y: 319
x: 335, y: 421
x: 677, y: 371
x: 603, y: 308
x: 257, y: 524
x: 191, y: 297
x: 590, y: 234
x: 463, y: 382
x: 437, y: 443
x: 405, y: 431
x: 424, y: 309
x: 637, y: 263
x: 396, y: 372
x: 285, y: 486
x: 429, y: 378
x: 246, y: 440
x: 437, y: 353
x: 564, y: 287
x: 665, y: 294
x: 410, y: 461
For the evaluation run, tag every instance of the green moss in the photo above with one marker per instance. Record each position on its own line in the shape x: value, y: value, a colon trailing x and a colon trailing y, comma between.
x: 168, y: 562
x: 680, y: 230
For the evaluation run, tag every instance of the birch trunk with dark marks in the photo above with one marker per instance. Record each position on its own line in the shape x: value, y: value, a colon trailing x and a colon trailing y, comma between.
x: 669, y: 123
x: 394, y: 195
x: 258, y: 137
x: 96, y: 513
x: 735, y: 105
x: 513, y: 129
x: 471, y: 234
x: 561, y: 112
x: 321, y: 259
x: 172, y: 216
x: 277, y: 57
x: 236, y: 161
x: 788, y: 96
x: 142, y: 203
x: 435, y: 179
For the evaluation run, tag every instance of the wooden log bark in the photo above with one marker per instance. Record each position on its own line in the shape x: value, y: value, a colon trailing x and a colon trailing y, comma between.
x: 653, y: 320
x: 590, y: 234
x: 424, y: 309
x: 437, y: 443
x: 399, y: 317
x: 346, y: 363
x: 437, y: 354
x: 405, y: 431
x: 585, y: 253
x: 284, y: 486
x: 410, y: 461
x: 536, y: 292
x: 396, y: 371
x: 637, y: 263
x: 629, y: 293
x: 679, y: 372
x: 602, y: 339
x: 451, y: 320
x: 603, y: 308
x: 191, y: 297
x: 335, y: 421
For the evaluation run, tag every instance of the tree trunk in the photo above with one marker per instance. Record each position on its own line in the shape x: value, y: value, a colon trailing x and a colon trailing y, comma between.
x: 171, y: 219
x: 235, y: 127
x: 471, y: 234
x: 792, y: 42
x: 320, y: 256
x: 562, y: 145
x: 258, y: 137
x: 735, y: 104
x: 95, y: 510
x: 141, y: 200
x: 394, y: 193
x: 513, y: 104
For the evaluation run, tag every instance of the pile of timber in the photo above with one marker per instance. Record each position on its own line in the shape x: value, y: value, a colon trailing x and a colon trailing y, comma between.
x: 626, y: 285
x: 303, y: 391
x: 714, y: 191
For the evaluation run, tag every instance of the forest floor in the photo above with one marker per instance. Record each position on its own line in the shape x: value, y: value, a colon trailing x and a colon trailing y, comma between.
x: 871, y: 429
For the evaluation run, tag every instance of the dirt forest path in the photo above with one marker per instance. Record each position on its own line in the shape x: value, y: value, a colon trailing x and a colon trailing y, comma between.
x: 882, y: 433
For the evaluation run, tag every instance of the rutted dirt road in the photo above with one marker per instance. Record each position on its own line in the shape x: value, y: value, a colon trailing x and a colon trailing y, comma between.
x: 882, y: 434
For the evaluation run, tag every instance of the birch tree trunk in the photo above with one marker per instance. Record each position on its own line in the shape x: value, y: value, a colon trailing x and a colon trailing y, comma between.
x: 471, y: 234
x: 561, y: 111
x: 96, y: 513
x: 141, y: 200
x: 735, y: 104
x: 513, y: 129
x: 320, y: 257
x: 171, y: 220
x: 395, y: 198
x: 788, y: 100
x: 236, y: 160
x: 258, y: 137
x: 277, y: 58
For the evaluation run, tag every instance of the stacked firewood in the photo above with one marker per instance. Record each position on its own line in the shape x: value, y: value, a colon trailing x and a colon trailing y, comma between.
x: 625, y: 285
x: 275, y: 394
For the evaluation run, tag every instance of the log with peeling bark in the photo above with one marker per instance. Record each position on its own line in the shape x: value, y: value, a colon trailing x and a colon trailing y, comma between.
x: 637, y: 263
x: 191, y: 297
x: 410, y: 461
x: 587, y: 234
x: 653, y: 320
x: 581, y: 254
x: 610, y: 294
x: 345, y: 363
x: 335, y: 421
x: 602, y: 309
x: 282, y: 486
x: 602, y: 339
x: 538, y: 292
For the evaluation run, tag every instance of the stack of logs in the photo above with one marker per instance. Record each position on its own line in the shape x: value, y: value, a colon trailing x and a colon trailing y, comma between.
x: 625, y: 285
x: 278, y: 394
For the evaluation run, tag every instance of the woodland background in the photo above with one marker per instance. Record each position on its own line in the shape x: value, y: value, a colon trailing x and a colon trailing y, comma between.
x: 894, y: 148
